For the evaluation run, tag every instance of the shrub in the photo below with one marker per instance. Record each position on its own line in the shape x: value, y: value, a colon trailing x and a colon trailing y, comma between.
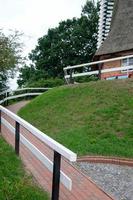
x: 86, y: 79
x: 46, y: 83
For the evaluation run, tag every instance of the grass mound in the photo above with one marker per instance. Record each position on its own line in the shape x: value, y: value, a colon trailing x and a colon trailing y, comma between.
x: 14, y: 183
x: 91, y: 118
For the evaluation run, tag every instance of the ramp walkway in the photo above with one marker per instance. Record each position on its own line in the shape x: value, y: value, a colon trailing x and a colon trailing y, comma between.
x: 83, y: 188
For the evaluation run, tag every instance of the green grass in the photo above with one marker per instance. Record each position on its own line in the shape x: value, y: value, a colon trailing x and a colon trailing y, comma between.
x: 15, y: 184
x: 91, y: 118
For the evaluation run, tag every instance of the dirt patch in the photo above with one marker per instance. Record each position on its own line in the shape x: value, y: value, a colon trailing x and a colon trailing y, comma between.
x: 120, y: 134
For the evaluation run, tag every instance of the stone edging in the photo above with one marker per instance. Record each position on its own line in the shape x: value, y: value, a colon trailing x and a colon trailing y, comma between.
x: 107, y: 160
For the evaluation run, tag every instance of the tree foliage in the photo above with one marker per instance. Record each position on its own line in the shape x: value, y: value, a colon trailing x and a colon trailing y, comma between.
x: 28, y: 75
x: 72, y: 42
x: 10, y: 55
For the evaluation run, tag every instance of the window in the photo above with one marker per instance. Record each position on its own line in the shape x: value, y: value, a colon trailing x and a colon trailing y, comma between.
x: 127, y: 62
x: 130, y: 61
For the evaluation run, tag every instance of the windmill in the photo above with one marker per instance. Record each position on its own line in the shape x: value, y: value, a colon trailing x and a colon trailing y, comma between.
x: 116, y: 36
x: 106, y: 10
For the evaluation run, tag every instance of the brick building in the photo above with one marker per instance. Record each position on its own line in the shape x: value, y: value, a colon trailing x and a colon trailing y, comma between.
x: 119, y: 41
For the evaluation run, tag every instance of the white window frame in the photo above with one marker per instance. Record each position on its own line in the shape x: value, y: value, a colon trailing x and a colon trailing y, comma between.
x: 127, y: 65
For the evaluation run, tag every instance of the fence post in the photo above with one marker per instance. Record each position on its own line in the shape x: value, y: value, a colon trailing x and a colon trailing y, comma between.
x: 17, y: 137
x: 4, y: 103
x: 100, y: 68
x: 71, y: 78
x: 65, y: 74
x: 56, y: 176
x: 7, y: 94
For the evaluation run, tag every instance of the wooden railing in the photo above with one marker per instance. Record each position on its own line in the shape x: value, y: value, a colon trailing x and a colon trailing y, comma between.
x: 69, y: 72
x: 59, y: 150
x: 8, y: 95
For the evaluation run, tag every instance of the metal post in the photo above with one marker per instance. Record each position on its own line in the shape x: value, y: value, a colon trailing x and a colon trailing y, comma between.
x: 17, y: 137
x: 7, y: 94
x: 56, y: 176
x: 26, y: 97
x: 71, y: 78
x: 100, y: 68
x: 4, y: 96
x: 65, y: 74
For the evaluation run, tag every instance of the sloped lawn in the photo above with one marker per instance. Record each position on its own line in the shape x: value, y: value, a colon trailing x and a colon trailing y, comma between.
x: 91, y: 118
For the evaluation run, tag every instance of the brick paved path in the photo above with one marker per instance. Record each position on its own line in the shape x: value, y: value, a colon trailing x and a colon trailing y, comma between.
x: 82, y: 187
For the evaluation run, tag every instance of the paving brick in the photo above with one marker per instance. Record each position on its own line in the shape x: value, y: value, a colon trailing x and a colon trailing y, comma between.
x: 82, y: 189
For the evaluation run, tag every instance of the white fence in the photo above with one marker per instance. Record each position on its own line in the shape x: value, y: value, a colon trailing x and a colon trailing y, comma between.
x: 59, y: 150
x: 96, y: 72
x: 9, y: 94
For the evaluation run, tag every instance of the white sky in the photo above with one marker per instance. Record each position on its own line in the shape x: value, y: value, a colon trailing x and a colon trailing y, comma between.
x: 35, y: 17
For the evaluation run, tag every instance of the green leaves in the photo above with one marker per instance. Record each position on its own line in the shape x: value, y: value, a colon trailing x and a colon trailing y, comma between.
x: 10, y: 55
x: 72, y: 42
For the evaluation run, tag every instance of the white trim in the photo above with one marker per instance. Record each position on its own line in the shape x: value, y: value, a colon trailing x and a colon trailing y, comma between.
x: 43, y: 137
x: 66, y: 181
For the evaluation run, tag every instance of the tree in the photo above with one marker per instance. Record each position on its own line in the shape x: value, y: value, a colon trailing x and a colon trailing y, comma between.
x: 72, y: 42
x: 28, y: 75
x: 10, y: 50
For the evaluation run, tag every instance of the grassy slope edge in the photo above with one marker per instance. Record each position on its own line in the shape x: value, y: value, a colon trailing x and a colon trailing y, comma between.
x: 14, y: 183
x: 90, y: 118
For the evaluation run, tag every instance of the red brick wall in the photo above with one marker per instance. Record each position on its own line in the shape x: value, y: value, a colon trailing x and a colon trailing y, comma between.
x: 109, y: 65
x: 114, y: 64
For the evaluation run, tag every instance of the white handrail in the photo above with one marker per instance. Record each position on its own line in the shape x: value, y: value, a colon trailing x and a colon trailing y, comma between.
x: 59, y: 149
x: 5, y: 91
x: 67, y: 182
x: 21, y: 95
x: 97, y: 62
x: 97, y: 72
x: 18, y: 96
x: 21, y: 89
x: 68, y: 154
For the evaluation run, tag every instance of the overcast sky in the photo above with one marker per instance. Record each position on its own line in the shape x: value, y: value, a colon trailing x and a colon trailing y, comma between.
x: 35, y: 17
